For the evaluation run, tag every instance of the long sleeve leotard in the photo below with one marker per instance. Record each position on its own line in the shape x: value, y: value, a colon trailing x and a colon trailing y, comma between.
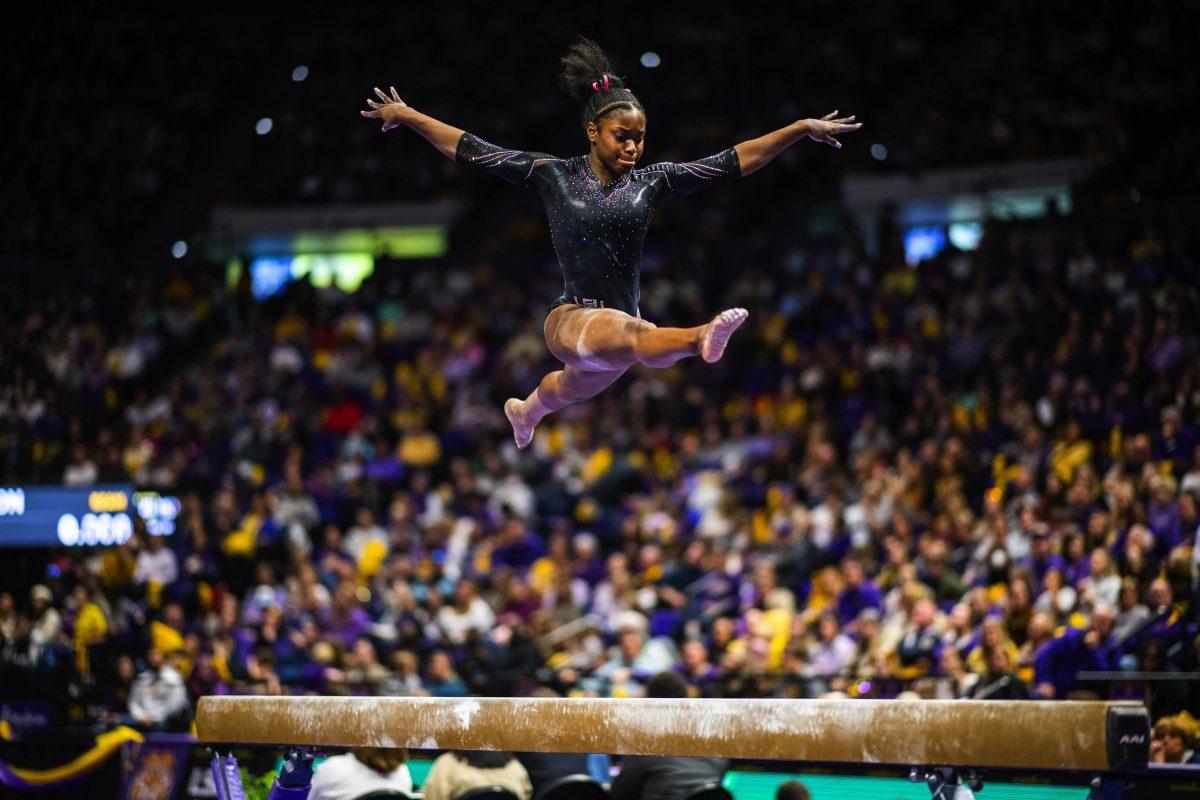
x: 597, y: 229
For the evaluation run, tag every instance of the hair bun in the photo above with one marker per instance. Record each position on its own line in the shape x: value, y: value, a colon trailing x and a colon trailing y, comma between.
x: 588, y: 76
x: 583, y: 65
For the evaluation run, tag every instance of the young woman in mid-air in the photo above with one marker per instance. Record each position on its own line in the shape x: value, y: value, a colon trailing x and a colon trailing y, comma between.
x: 599, y: 207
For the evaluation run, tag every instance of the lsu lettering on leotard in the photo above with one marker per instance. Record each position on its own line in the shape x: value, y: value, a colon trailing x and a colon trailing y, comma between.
x: 598, y: 230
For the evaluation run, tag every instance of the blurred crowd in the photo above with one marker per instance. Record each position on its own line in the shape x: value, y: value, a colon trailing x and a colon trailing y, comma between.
x: 977, y: 477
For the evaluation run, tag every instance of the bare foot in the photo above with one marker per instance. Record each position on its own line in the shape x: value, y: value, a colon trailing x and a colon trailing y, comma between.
x: 717, y: 333
x: 522, y: 429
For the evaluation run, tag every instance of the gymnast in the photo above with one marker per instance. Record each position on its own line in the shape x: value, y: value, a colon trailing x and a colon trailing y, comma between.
x: 599, y: 207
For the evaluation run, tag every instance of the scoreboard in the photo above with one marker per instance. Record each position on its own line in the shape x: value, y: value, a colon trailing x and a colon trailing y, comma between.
x: 93, y: 516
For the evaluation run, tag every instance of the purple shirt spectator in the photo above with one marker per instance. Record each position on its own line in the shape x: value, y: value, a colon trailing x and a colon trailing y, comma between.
x: 852, y: 602
x: 349, y: 628
x: 1163, y: 520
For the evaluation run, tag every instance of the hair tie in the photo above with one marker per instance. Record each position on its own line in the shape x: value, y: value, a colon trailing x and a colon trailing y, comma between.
x: 596, y: 84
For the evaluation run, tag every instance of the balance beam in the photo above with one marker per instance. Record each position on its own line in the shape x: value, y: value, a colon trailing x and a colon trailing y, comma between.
x: 1022, y: 735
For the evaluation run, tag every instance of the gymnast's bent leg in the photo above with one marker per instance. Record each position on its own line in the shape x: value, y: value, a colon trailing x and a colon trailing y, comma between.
x: 598, y: 345
x: 598, y: 339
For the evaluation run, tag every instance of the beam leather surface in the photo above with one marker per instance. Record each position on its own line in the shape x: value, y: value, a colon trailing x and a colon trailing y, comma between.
x: 1016, y: 734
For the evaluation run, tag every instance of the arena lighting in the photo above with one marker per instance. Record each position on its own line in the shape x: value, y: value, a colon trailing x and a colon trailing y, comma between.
x: 299, y: 73
x: 965, y: 235
x: 878, y: 152
x: 263, y: 126
x: 346, y: 271
x: 650, y: 59
x: 340, y: 258
x: 923, y: 242
x: 179, y: 249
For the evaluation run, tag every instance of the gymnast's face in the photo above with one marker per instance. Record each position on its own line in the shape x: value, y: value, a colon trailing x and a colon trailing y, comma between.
x: 618, y: 138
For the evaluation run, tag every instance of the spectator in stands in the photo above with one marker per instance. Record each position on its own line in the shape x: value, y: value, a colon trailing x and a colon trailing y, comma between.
x: 158, y: 699
x: 45, y: 621
x: 1102, y: 585
x: 441, y: 680
x: 1059, y: 660
x: 959, y: 682
x: 366, y: 538
x: 1000, y: 682
x: 361, y: 771
x: 404, y: 678
x: 1171, y: 742
x: 348, y: 620
x: 832, y: 651
x: 1168, y: 628
x: 871, y: 658
x: 918, y: 649
x: 1131, y: 613
x: 1043, y: 558
x: 156, y: 563
x: 82, y: 470
x: 792, y: 790
x: 992, y: 636
x: 858, y: 594
x: 459, y: 771
x: 695, y: 666
x: 1058, y: 599
x: 117, y: 689
x: 8, y: 617
x: 465, y: 612
x: 636, y: 657
x: 665, y: 777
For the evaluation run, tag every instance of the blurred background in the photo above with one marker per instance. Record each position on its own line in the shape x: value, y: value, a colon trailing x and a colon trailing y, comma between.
x: 253, y: 354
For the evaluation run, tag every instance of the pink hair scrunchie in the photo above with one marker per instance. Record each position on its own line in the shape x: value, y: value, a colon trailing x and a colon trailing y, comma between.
x: 596, y: 84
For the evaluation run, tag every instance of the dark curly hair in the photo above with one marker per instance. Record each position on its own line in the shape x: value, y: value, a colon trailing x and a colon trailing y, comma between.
x: 585, y: 68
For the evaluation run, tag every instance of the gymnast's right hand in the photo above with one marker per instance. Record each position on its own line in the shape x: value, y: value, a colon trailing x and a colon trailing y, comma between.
x: 391, y: 110
x: 828, y: 126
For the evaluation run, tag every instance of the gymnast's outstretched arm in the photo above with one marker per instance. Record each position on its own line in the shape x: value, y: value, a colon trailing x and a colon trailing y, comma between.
x: 514, y: 166
x: 755, y: 154
x: 395, y: 112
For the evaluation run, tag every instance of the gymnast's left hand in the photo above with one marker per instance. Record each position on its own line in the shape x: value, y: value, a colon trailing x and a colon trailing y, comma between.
x: 829, y: 126
x: 391, y: 110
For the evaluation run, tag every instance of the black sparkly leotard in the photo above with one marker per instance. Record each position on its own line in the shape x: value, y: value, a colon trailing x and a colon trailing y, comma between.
x: 597, y: 229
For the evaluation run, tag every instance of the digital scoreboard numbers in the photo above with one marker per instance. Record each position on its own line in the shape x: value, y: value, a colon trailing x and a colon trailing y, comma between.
x: 94, y: 516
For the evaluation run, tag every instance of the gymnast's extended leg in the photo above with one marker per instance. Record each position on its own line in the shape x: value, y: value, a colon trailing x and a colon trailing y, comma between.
x: 557, y: 390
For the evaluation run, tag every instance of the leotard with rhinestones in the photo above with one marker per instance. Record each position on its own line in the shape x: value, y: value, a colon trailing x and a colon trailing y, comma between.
x: 597, y: 229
